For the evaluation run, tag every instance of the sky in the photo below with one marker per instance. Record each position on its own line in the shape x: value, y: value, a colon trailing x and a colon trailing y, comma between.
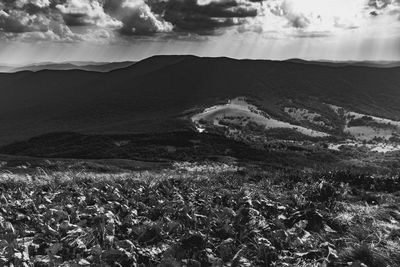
x: 34, y: 31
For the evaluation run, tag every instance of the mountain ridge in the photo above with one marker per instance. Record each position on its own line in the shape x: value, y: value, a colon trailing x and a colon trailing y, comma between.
x: 73, y: 65
x: 152, y: 94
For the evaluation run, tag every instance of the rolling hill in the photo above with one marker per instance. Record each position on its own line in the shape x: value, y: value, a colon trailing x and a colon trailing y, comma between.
x: 159, y: 93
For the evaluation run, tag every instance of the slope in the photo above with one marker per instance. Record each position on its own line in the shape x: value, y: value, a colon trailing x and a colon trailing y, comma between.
x: 151, y: 95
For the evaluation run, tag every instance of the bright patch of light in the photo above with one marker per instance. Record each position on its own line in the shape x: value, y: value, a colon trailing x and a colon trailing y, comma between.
x: 327, y: 8
x: 318, y: 17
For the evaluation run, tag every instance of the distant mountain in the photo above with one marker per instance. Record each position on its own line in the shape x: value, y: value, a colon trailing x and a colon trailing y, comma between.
x: 161, y: 94
x: 373, y: 64
x: 75, y: 65
x: 6, y: 68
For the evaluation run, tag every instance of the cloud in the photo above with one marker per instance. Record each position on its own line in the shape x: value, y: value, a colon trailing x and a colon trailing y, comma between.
x: 86, y: 12
x: 382, y: 4
x: 384, y: 7
x: 86, y: 20
x: 38, y: 3
x: 32, y: 20
x: 206, y: 16
x: 18, y: 21
x: 137, y: 18
x: 44, y: 20
x: 308, y: 18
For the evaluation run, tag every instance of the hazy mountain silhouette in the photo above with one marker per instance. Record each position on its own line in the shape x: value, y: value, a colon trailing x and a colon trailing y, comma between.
x: 6, y: 68
x: 87, y: 66
x: 373, y: 64
x: 152, y: 95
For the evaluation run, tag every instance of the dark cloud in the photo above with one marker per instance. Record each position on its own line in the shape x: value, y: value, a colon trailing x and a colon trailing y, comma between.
x: 205, y: 16
x: 382, y: 4
x: 391, y: 7
x: 194, y: 16
x: 298, y: 21
x: 76, y: 19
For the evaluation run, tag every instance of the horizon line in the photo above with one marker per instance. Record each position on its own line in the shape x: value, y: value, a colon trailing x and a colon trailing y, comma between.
x: 321, y: 60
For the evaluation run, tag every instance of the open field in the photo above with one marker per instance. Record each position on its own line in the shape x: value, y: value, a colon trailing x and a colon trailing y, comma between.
x: 238, y: 112
x: 192, y: 214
